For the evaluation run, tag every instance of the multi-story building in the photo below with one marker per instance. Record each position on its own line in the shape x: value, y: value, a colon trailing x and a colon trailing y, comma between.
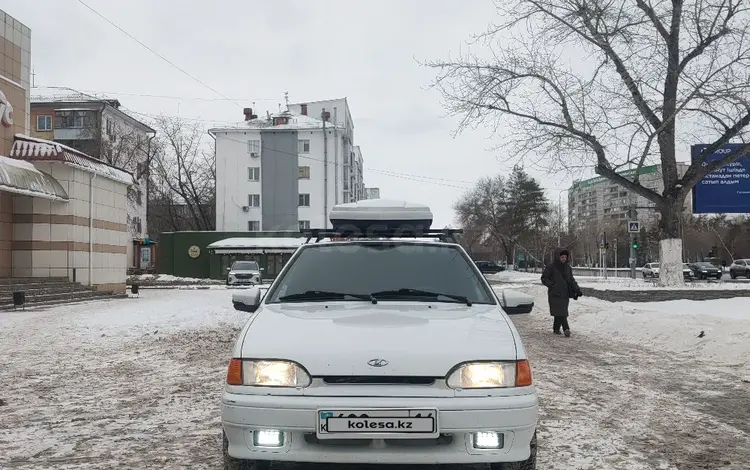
x: 62, y: 212
x: 100, y: 128
x: 373, y: 193
x: 600, y: 202
x: 286, y: 171
x: 352, y: 164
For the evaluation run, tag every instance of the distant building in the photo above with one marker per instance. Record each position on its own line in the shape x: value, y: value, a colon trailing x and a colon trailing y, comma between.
x: 286, y: 171
x: 600, y: 202
x: 373, y: 193
x: 352, y: 164
x: 99, y: 128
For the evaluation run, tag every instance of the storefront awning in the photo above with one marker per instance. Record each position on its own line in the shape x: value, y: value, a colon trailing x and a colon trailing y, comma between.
x: 260, y: 245
x: 20, y: 177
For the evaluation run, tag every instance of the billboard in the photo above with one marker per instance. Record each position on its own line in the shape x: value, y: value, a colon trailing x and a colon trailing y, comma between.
x: 726, y: 190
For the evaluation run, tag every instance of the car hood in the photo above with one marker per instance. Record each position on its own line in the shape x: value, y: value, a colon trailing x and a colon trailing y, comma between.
x: 244, y: 271
x: 417, y: 339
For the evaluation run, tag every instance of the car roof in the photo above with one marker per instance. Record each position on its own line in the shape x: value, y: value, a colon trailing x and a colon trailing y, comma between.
x: 405, y: 241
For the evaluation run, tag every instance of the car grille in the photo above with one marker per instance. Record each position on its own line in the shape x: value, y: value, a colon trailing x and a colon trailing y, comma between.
x: 243, y: 276
x: 377, y: 380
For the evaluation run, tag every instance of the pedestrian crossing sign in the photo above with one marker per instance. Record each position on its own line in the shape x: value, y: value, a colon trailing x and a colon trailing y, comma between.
x: 634, y: 226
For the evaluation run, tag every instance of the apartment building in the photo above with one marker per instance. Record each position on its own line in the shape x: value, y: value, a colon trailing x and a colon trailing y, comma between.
x: 352, y: 163
x: 600, y: 202
x: 286, y: 171
x: 100, y: 128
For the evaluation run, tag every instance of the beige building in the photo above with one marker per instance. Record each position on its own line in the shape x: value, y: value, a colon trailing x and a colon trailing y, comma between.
x: 598, y: 202
x: 62, y: 212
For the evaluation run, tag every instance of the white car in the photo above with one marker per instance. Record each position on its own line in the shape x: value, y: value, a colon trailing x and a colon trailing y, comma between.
x: 650, y: 270
x: 243, y: 273
x: 400, y: 353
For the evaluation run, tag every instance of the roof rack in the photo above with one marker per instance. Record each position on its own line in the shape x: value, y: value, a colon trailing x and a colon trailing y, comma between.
x: 444, y: 235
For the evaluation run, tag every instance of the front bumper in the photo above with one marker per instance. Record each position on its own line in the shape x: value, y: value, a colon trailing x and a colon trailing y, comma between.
x: 233, y: 281
x: 458, y: 418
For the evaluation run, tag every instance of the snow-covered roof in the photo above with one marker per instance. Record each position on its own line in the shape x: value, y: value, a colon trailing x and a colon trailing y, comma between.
x: 33, y: 149
x: 296, y: 121
x: 21, y: 177
x: 64, y: 94
x: 256, y: 245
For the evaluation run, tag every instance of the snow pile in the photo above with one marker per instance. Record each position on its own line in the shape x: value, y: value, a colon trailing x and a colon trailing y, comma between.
x: 671, y: 326
x: 168, y: 279
x: 514, y: 277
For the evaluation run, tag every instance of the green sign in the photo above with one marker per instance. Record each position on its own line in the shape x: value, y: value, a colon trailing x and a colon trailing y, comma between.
x: 625, y: 173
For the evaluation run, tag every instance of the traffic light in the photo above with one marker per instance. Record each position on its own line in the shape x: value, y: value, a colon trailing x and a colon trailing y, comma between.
x: 635, y: 244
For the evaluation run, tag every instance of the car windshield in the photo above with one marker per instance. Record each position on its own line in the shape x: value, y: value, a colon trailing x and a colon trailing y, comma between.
x: 703, y: 264
x: 245, y: 266
x: 383, y: 271
x: 654, y: 265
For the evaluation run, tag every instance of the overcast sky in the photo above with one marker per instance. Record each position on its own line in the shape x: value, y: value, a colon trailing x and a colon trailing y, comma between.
x: 256, y: 51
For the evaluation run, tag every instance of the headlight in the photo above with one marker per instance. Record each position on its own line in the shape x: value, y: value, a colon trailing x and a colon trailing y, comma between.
x: 491, y: 375
x: 267, y: 374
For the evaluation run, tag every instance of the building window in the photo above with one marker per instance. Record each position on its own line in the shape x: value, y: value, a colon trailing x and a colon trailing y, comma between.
x: 253, y: 226
x: 304, y: 200
x: 303, y: 146
x: 253, y: 173
x: 253, y: 147
x: 253, y: 200
x: 304, y: 225
x: 44, y: 123
x: 304, y: 172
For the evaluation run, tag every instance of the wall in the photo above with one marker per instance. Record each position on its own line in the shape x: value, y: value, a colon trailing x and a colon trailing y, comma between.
x: 173, y: 258
x: 51, y: 239
x: 232, y: 185
x: 317, y: 213
x: 278, y: 177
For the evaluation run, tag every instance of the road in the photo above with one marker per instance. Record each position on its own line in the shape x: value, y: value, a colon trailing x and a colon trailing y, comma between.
x: 74, y: 399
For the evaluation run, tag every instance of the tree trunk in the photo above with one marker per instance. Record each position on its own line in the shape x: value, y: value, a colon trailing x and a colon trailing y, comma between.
x: 670, y: 244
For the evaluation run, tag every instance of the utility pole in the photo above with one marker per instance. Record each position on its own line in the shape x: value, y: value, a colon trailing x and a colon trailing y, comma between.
x: 324, y: 117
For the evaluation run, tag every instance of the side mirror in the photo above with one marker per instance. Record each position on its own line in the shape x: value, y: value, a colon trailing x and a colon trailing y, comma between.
x: 229, y: 268
x: 247, y: 300
x: 262, y: 269
x: 515, y: 302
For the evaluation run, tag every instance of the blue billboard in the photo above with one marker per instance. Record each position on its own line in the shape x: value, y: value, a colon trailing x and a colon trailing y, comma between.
x: 726, y: 190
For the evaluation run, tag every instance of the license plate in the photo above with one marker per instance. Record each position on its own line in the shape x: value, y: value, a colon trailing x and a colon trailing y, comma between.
x: 377, y: 423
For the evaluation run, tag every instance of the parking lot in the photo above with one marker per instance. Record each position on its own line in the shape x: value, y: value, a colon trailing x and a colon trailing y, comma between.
x: 135, y: 383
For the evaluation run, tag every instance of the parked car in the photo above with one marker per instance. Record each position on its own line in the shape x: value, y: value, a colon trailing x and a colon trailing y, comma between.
x: 243, y: 272
x: 650, y: 270
x: 687, y: 272
x: 489, y: 267
x: 705, y: 270
x: 740, y: 268
x: 412, y: 360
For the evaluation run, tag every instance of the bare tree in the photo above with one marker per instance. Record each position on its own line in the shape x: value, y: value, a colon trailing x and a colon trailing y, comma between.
x: 505, y: 210
x: 183, y: 177
x: 614, y: 84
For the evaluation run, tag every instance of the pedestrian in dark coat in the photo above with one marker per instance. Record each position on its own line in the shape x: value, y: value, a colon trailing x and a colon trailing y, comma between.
x: 561, y: 287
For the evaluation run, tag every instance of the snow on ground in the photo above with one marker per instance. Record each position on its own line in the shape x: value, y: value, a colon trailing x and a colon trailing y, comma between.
x: 135, y: 383
x: 672, y: 326
x: 617, y: 283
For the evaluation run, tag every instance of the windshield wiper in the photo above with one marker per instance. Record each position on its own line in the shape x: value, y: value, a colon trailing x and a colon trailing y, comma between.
x: 420, y: 293
x: 326, y: 295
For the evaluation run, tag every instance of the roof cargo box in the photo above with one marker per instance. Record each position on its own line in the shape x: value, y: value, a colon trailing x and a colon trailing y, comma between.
x: 373, y: 216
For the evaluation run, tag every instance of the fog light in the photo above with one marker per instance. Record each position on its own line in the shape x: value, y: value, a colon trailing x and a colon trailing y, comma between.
x: 268, y: 438
x: 488, y: 440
